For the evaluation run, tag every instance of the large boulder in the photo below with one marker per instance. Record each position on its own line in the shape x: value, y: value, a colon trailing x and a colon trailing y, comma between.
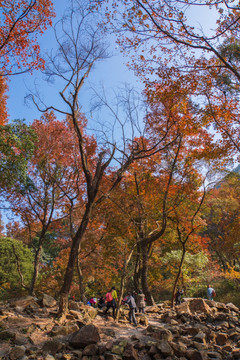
x: 87, y: 335
x: 152, y: 309
x: 63, y: 330
x: 48, y: 301
x: 183, y: 308
x: 23, y: 302
x: 74, y: 305
x: 232, y: 307
x: 199, y: 305
x: 159, y: 333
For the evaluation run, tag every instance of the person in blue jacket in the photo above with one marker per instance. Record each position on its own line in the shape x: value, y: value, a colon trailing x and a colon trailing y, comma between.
x: 132, y: 308
x: 210, y: 292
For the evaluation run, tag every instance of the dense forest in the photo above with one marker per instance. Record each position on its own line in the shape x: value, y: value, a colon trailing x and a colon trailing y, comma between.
x: 143, y: 191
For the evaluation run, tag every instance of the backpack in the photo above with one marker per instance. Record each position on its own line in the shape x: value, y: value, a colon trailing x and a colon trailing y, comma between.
x: 109, y: 297
x: 213, y: 293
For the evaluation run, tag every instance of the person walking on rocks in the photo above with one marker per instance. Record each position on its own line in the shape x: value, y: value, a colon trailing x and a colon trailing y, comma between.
x: 141, y: 302
x: 210, y: 292
x: 114, y: 296
x: 178, y: 297
x: 111, y: 298
x: 132, y: 308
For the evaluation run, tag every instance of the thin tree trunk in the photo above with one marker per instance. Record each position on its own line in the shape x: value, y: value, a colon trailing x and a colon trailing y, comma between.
x: 137, y: 271
x: 145, y: 288
x: 80, y: 281
x: 36, y: 264
x: 122, y: 286
x: 19, y: 269
x: 179, y: 273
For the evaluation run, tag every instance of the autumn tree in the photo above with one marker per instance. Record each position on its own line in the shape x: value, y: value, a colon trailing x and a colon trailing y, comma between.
x: 41, y: 200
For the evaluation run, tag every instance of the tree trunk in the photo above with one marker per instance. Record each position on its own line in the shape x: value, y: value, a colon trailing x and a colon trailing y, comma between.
x: 137, y: 272
x: 64, y: 292
x: 36, y: 265
x: 145, y: 288
x: 123, y: 278
x: 178, y: 274
x: 80, y: 281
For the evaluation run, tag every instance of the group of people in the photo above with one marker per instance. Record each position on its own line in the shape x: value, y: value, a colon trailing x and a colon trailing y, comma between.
x: 136, y: 302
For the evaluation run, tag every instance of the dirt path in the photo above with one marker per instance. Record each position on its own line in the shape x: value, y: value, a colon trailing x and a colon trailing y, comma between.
x: 121, y: 330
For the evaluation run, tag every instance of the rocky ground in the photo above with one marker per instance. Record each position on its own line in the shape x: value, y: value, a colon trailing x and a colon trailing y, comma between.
x: 195, y: 330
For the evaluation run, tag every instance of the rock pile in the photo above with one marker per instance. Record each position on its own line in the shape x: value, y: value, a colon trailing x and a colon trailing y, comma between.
x: 195, y: 330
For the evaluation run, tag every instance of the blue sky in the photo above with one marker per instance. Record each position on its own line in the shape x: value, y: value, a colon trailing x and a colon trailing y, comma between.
x: 112, y: 73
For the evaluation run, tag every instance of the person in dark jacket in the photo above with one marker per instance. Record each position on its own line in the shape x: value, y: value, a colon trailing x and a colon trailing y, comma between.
x: 178, y: 297
x: 132, y: 308
x: 101, y: 302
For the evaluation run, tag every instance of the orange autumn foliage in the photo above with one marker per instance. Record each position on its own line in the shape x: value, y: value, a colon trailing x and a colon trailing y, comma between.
x: 22, y: 22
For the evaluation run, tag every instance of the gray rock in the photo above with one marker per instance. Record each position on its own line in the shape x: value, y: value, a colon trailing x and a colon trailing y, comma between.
x: 183, y: 308
x: 221, y: 339
x: 52, y: 346
x: 130, y: 353
x: 90, y: 350
x: 200, y: 338
x: 74, y: 305
x: 152, y: 309
x: 165, y: 348
x: 64, y: 330
x: 232, y: 307
x: 153, y: 350
x: 7, y: 335
x: 85, y: 336
x: 179, y: 349
x: 20, y: 339
x: 22, y: 302
x: 159, y: 333
x: 17, y: 352
x: 196, y: 355
x: 48, y: 301
x: 199, y: 305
